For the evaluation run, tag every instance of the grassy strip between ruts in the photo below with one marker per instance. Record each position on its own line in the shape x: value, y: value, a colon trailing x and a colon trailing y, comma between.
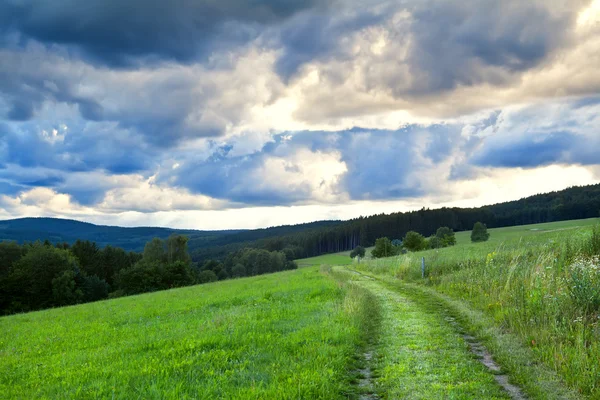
x: 288, y: 335
x: 537, y: 380
x: 420, y: 355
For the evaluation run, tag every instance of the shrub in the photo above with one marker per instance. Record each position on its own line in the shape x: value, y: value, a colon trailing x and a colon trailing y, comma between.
x: 414, y: 241
x: 446, y: 236
x: 384, y: 248
x: 479, y: 233
x: 207, y: 276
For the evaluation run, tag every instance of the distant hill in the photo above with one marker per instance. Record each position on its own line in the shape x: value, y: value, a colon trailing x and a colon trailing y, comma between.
x: 58, y: 230
x: 65, y: 230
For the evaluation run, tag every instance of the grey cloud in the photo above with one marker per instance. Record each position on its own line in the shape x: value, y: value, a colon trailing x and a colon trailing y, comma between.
x: 315, y: 35
x: 457, y: 43
x: 120, y: 32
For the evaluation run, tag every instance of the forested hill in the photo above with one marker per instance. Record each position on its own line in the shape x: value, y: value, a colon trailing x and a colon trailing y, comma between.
x: 64, y: 230
x: 58, y: 230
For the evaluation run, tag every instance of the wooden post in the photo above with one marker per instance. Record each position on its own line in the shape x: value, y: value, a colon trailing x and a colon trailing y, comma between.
x: 423, y: 267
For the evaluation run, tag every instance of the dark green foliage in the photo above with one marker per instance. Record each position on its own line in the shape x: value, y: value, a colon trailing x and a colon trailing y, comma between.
x: 155, y: 251
x: 10, y: 252
x: 95, y: 289
x: 414, y: 241
x: 434, y: 242
x: 257, y: 262
x: 358, y: 251
x: 207, y: 276
x: 40, y: 275
x: 65, y: 290
x: 177, y: 249
x: 289, y: 265
x: 43, y: 277
x: 238, y: 271
x: 164, y: 265
x: 178, y: 274
x: 479, y: 233
x: 446, y: 236
x: 143, y: 277
x: 384, y: 248
x: 443, y: 237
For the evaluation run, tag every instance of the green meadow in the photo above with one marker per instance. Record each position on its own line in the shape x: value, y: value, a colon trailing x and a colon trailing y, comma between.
x: 342, y: 258
x: 285, y: 335
x: 336, y: 328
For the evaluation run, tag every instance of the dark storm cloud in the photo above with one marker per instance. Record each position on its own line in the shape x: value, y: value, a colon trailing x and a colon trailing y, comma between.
x: 117, y: 32
x: 316, y: 35
x: 457, y: 43
x: 443, y: 44
x: 33, y: 76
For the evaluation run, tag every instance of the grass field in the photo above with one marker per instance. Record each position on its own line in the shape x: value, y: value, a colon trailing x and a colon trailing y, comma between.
x: 359, y: 331
x: 342, y: 258
x: 284, y: 335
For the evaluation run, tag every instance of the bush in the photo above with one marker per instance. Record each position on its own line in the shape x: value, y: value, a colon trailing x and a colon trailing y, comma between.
x: 435, y: 242
x: 446, y: 236
x: 479, y: 233
x: 207, y: 276
x: 384, y: 248
x: 414, y: 241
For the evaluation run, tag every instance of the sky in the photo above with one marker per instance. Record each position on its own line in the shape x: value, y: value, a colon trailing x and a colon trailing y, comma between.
x: 224, y: 114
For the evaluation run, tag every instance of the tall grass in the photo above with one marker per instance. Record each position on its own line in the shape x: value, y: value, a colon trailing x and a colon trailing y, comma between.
x: 544, y: 287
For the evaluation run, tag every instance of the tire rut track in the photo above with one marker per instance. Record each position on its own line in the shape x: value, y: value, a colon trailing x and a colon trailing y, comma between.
x: 475, y: 347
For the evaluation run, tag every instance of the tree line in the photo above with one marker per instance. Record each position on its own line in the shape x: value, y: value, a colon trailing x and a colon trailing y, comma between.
x: 41, y: 275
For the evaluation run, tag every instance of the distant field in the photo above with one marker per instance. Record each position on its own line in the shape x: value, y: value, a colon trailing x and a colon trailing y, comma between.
x: 283, y: 335
x: 529, y: 234
x: 498, y: 235
x: 342, y: 258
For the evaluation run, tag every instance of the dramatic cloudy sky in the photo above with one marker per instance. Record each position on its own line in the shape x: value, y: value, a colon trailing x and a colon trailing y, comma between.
x: 228, y: 114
